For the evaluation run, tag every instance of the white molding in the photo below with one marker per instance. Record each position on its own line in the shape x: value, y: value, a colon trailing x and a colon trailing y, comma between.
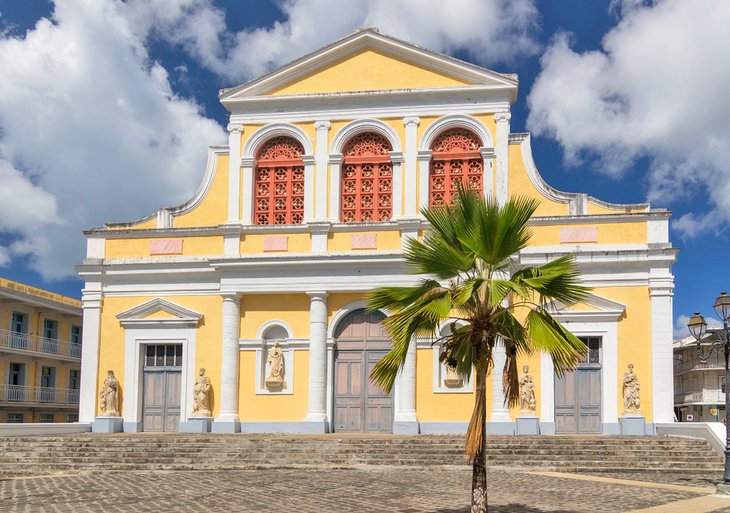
x: 137, y: 337
x: 606, y: 310
x: 90, y: 337
x: 455, y: 121
x: 501, y: 189
x: 410, y: 171
x: 234, y: 173
x: 263, y: 134
x: 321, y: 155
x: 657, y: 231
x: 274, y: 322
x: 137, y: 316
x: 661, y: 290
x: 359, y: 126
x: 95, y: 247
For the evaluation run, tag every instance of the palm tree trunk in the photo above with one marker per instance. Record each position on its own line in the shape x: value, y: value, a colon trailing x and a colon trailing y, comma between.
x: 479, y: 461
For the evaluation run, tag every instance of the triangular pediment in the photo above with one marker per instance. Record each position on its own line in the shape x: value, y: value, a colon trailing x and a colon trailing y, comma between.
x: 369, y: 61
x: 593, y: 306
x: 159, y: 311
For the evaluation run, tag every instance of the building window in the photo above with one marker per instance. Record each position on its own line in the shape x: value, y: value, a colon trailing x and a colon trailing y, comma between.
x: 19, y: 328
x: 168, y: 355
x: 48, y: 377
x: 280, y: 182
x: 74, y: 379
x: 15, y: 418
x: 75, y: 334
x: 456, y: 160
x: 72, y: 417
x: 50, y: 329
x: 367, y: 180
x: 16, y: 376
x: 46, y: 417
x: 593, y: 353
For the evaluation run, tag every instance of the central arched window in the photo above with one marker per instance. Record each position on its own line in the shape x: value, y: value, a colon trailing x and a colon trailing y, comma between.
x: 456, y: 159
x: 367, y: 179
x: 280, y: 182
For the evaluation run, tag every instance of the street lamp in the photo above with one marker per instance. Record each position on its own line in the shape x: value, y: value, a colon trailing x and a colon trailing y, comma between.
x: 698, y: 327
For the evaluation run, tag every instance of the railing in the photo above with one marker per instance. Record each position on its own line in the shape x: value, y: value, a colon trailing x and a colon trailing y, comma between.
x: 705, y: 396
x: 38, y: 395
x: 716, y: 362
x: 34, y: 343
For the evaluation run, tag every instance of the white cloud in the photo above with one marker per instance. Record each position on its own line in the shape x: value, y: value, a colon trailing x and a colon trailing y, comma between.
x: 91, y: 132
x: 490, y: 30
x: 658, y: 88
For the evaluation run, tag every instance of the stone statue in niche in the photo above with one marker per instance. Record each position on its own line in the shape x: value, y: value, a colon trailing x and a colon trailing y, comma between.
x: 275, y: 378
x: 108, y: 396
x: 201, y: 395
x: 528, y: 404
x: 452, y: 379
x: 632, y: 402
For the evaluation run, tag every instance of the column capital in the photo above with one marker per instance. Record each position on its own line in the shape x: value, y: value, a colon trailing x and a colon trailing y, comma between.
x: 235, y: 127
x: 247, y: 161
x: 308, y: 160
x: 335, y: 158
x: 396, y: 157
x: 502, y: 117
x: 487, y: 153
x: 322, y: 125
x: 317, y: 295
x: 424, y: 155
x: 412, y: 120
x: 231, y: 296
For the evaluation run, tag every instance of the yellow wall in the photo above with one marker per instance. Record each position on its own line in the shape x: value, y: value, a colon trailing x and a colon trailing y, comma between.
x: 273, y: 407
x: 297, y: 243
x: 368, y: 70
x: 385, y: 240
x: 205, y: 245
x: 520, y: 185
x: 615, y: 233
x: 440, y: 407
x: 213, y: 210
x: 257, y: 309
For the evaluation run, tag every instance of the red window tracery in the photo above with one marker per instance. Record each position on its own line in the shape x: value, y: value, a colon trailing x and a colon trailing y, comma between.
x: 456, y: 159
x: 367, y: 179
x: 280, y: 182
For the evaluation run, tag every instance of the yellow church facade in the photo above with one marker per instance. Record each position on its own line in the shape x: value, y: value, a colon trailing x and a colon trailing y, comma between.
x: 260, y: 278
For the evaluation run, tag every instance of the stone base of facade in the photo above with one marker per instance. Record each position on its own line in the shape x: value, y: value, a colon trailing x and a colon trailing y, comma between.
x: 500, y: 428
x: 314, y: 427
x: 610, y: 428
x: 405, y: 427
x: 107, y: 425
x: 547, y: 428
x: 197, y: 425
x: 273, y: 427
x: 225, y: 426
x: 633, y: 425
x: 133, y: 427
x: 527, y: 426
x: 443, y: 428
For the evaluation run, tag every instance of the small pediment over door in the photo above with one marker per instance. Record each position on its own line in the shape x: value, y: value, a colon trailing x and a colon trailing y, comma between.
x: 159, y: 312
x: 592, y: 308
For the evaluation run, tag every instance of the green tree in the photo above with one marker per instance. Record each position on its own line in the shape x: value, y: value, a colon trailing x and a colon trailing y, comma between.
x: 471, y: 276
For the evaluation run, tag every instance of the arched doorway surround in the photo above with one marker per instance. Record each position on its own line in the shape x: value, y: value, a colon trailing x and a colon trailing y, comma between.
x: 359, y: 404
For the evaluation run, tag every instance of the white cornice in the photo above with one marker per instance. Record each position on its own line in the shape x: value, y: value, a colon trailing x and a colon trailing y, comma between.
x: 138, y: 316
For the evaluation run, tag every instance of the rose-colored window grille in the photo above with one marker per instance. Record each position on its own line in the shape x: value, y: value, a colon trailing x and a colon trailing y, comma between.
x: 367, y: 180
x: 279, y: 182
x: 456, y: 159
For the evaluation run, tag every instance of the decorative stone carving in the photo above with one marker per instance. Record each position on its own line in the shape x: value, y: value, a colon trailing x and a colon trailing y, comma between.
x: 201, y: 395
x: 275, y: 359
x: 632, y: 402
x: 452, y: 379
x: 527, y: 393
x: 108, y: 396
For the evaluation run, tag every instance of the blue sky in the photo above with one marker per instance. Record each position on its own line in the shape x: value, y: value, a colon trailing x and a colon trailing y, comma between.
x: 107, y: 107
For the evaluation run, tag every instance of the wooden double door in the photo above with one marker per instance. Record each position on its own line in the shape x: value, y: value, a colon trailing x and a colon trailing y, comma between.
x: 161, y: 385
x: 578, y: 400
x: 359, y: 404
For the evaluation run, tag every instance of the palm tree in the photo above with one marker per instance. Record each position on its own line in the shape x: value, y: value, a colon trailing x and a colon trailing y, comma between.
x: 471, y: 279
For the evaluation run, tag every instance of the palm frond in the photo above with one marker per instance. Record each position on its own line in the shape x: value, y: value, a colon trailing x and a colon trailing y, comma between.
x: 549, y: 335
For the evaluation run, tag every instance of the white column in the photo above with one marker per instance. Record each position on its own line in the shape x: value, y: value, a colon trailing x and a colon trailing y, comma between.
x: 234, y: 173
x: 410, y: 153
x: 309, y: 161
x: 661, y: 289
x: 247, y: 191
x: 500, y: 420
x: 227, y: 420
x: 547, y: 394
x: 335, y: 161
x: 92, y: 299
x: 502, y: 148
x: 488, y: 171
x: 321, y: 153
x: 396, y: 158
x: 405, y: 421
x: 424, y: 163
x: 316, y: 419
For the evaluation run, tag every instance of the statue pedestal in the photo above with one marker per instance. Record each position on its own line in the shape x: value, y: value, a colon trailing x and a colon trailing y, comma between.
x: 197, y: 425
x: 527, y: 425
x: 632, y: 425
x: 107, y: 425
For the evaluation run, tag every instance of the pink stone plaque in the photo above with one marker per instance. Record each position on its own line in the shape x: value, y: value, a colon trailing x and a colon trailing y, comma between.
x: 276, y: 243
x: 166, y: 247
x: 579, y: 234
x: 364, y: 241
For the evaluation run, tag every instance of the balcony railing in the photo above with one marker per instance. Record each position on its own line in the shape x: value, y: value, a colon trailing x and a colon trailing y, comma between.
x: 38, y: 395
x: 23, y: 342
x: 705, y: 396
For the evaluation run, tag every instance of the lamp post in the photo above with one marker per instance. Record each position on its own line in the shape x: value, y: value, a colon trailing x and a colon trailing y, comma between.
x: 698, y: 327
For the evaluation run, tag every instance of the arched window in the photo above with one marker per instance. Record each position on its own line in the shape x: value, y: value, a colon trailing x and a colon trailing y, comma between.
x: 280, y: 182
x: 456, y: 159
x: 367, y: 179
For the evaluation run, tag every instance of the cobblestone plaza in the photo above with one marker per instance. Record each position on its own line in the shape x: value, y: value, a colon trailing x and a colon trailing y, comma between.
x: 442, y: 490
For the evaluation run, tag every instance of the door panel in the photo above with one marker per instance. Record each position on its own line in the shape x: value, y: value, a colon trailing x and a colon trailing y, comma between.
x: 161, y: 406
x: 578, y: 401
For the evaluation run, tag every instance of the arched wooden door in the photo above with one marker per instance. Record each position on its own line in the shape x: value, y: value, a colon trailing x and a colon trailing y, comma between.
x: 359, y: 404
